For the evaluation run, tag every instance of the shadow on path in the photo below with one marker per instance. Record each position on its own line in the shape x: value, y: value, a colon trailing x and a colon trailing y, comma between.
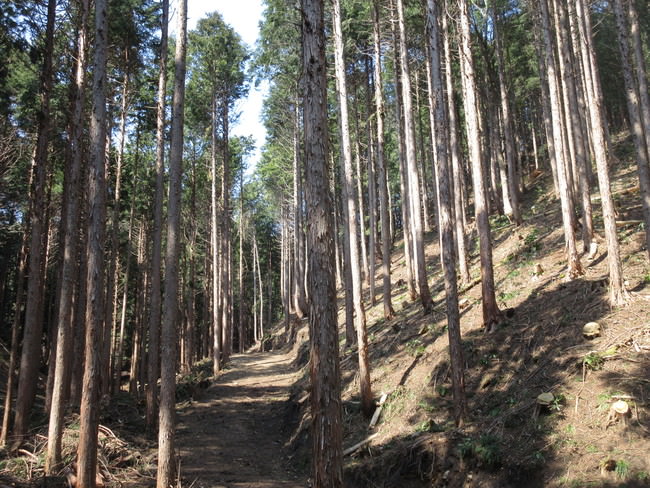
x: 234, y: 437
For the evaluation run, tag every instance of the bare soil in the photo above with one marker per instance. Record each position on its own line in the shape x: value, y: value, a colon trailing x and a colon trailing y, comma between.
x: 234, y: 436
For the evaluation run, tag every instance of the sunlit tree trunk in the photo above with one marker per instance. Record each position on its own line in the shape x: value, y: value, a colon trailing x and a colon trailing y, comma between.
x: 454, y: 154
x: 617, y: 292
x: 574, y: 267
x: 384, y: 217
x: 634, y: 86
x: 491, y: 312
x: 415, y: 205
x: 367, y: 404
x: 166, y: 460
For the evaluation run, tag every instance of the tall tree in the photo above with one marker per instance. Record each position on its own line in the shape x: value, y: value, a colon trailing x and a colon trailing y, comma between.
x: 438, y: 102
x: 327, y: 458
x: 33, y: 329
x: 384, y: 217
x: 166, y: 464
x: 69, y: 265
x: 415, y: 204
x: 96, y: 221
x: 153, y: 358
x: 491, y: 312
x: 352, y: 216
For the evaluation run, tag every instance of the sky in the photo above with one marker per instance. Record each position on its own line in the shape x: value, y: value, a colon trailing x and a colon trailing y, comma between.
x: 243, y: 16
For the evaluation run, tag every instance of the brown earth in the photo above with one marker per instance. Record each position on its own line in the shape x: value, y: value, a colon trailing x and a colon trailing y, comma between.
x: 234, y: 436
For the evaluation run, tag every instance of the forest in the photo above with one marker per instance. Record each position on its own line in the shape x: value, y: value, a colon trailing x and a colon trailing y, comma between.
x: 435, y: 274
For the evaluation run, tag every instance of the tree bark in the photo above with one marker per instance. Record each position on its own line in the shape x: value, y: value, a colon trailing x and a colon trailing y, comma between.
x: 95, y: 312
x: 153, y: 365
x: 166, y: 461
x: 491, y: 313
x: 327, y: 459
x: 384, y: 217
x: 352, y: 228
x: 30, y: 356
x: 445, y: 214
x: 415, y: 204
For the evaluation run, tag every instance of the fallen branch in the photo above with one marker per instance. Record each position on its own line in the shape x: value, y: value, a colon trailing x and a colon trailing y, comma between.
x: 359, y: 445
x: 380, y: 405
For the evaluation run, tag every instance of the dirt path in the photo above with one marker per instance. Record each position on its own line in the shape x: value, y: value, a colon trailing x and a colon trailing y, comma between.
x: 233, y: 436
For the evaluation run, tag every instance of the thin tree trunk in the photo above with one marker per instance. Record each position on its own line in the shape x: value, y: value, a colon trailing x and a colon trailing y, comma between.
x: 437, y: 96
x: 454, y: 153
x: 384, y: 216
x: 166, y: 461
x: 636, y: 86
x: 415, y: 206
x: 574, y: 268
x: 367, y: 404
x: 153, y: 365
x: 491, y: 312
x: 617, y: 292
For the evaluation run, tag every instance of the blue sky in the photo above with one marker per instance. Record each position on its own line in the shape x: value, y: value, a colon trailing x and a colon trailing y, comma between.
x: 244, y: 16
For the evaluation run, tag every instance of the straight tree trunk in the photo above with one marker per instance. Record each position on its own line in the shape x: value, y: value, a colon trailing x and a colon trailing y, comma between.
x: 153, y: 364
x: 384, y: 216
x: 415, y: 204
x: 457, y: 179
x: 327, y: 457
x: 95, y: 312
x: 491, y: 313
x: 70, y: 268
x: 437, y: 97
x: 367, y: 403
x: 510, y: 151
x: 617, y: 293
x: 574, y: 268
x: 166, y: 460
x: 216, y: 274
x: 30, y: 356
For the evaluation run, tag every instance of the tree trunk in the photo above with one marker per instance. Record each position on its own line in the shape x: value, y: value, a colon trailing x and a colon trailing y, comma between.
x: 457, y: 179
x: 617, y: 292
x: 166, y: 461
x: 327, y: 459
x: 437, y: 97
x: 367, y: 404
x: 95, y: 312
x: 153, y: 365
x: 415, y: 205
x: 511, y: 155
x: 31, y: 357
x: 491, y: 312
x: 574, y: 268
x: 384, y: 217
x: 634, y: 86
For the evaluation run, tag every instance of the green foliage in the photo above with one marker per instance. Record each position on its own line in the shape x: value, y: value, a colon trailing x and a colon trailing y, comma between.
x: 415, y: 347
x: 485, y: 450
x: 622, y: 469
x: 593, y: 361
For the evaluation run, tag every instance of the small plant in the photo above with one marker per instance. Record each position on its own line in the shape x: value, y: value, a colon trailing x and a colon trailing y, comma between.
x: 593, y: 361
x: 643, y: 476
x: 556, y: 405
x: 485, y: 450
x: 415, y: 347
x: 646, y: 279
x: 570, y: 429
x: 622, y: 469
x: 442, y: 390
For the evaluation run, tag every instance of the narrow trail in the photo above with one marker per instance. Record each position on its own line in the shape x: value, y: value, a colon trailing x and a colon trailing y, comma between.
x: 233, y: 437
